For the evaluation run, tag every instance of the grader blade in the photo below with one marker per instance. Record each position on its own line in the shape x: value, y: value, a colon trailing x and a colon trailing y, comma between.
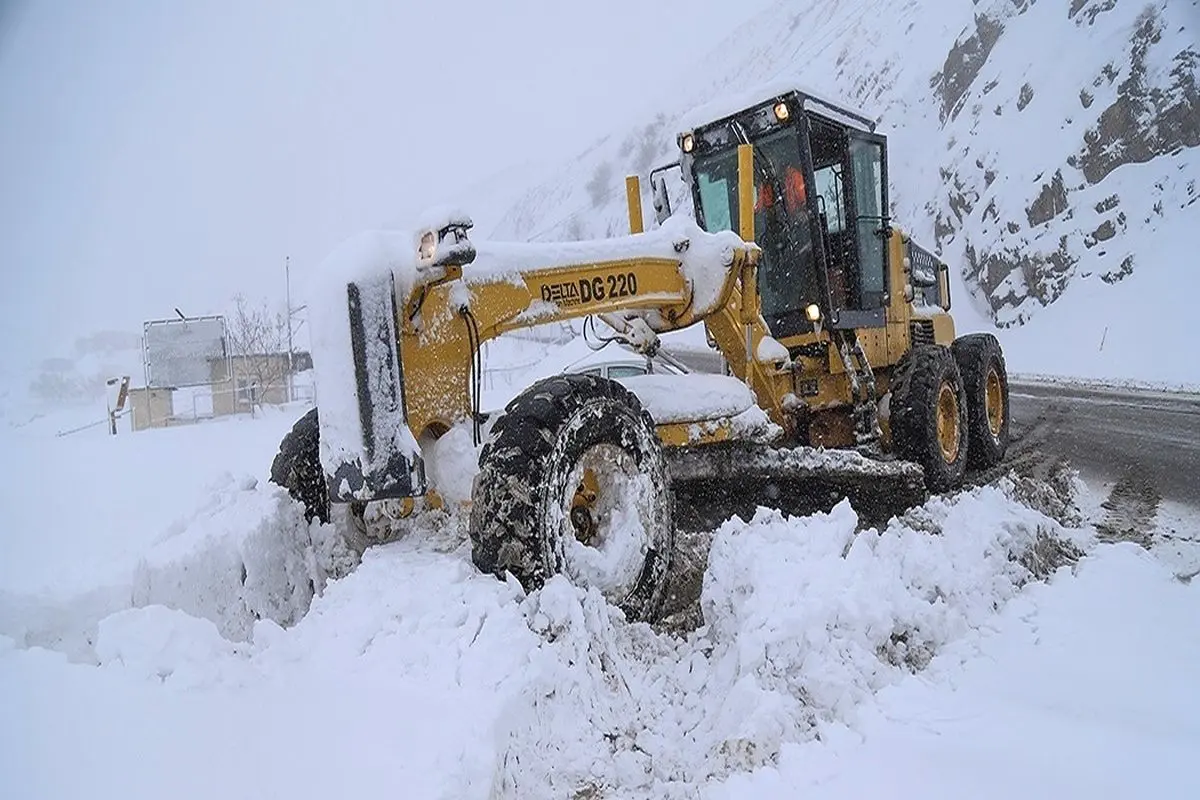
x: 714, y: 482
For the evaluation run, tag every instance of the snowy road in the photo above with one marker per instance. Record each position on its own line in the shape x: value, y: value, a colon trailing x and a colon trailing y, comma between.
x: 1107, y: 433
x: 1112, y: 434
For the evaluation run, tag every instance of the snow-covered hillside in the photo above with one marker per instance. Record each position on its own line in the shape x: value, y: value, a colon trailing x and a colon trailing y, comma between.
x: 1047, y: 149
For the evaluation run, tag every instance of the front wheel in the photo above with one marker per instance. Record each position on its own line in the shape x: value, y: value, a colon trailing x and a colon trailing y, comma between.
x: 573, y: 481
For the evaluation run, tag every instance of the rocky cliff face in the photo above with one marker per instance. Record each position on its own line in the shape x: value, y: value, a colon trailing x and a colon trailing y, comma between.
x: 1099, y: 101
x: 1037, y: 143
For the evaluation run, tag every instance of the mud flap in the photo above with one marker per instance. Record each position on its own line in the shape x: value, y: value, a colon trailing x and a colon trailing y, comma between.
x: 388, y: 464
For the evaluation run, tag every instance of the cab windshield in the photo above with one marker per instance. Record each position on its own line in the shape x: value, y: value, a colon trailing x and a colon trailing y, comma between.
x: 787, y: 275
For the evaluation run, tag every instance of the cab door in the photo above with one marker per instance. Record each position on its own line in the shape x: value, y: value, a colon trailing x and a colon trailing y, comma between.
x: 868, y: 207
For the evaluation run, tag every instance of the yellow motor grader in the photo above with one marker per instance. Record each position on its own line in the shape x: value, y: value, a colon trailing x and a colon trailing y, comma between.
x: 845, y: 376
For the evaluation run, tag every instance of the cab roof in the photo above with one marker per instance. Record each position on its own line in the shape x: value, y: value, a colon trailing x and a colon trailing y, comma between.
x: 732, y: 105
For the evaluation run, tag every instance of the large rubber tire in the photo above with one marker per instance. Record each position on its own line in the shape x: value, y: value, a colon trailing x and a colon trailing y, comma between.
x: 926, y: 385
x: 985, y: 379
x: 297, y: 467
x: 528, y: 471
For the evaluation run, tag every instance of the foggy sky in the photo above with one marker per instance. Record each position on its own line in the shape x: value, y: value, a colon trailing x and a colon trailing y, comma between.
x: 156, y: 154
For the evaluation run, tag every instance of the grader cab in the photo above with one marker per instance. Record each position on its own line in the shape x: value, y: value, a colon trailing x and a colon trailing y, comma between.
x: 846, y: 379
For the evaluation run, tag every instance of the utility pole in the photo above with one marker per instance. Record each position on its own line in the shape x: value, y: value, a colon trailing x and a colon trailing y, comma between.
x: 287, y: 272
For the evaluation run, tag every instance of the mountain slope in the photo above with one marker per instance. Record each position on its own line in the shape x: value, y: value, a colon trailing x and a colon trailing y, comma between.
x: 1047, y: 149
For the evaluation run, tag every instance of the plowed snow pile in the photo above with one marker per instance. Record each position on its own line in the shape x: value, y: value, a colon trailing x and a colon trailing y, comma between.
x: 805, y: 620
x: 446, y: 682
x: 221, y: 655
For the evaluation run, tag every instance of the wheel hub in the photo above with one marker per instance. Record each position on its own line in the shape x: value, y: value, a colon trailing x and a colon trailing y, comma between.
x: 994, y: 401
x: 609, y: 506
x: 584, y: 500
x: 948, y: 433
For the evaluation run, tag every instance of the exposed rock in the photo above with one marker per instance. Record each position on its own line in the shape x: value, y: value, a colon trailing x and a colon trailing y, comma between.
x: 1091, y: 9
x: 1144, y: 121
x: 962, y: 203
x: 990, y: 211
x: 1085, y: 98
x: 963, y: 63
x: 1025, y: 96
x: 960, y: 200
x: 942, y: 230
x: 1120, y: 273
x: 1051, y: 201
x: 1044, y: 277
x: 1107, y: 204
x: 1102, y: 234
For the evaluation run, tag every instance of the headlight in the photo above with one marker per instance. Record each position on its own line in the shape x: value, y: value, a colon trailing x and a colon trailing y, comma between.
x: 781, y: 111
x: 688, y: 143
x: 813, y: 312
x: 428, y: 247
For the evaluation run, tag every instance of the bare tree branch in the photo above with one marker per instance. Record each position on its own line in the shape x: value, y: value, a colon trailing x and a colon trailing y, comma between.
x: 258, y: 341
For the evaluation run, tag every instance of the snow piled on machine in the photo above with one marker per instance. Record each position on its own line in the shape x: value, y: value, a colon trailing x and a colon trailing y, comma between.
x: 375, y: 272
x: 704, y: 257
x: 379, y: 264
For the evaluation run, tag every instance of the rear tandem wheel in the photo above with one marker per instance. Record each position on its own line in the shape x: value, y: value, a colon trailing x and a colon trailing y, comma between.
x: 985, y: 379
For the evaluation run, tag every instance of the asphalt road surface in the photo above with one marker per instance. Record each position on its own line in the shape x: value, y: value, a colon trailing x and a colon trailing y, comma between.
x: 1114, y: 434
x: 1108, y: 434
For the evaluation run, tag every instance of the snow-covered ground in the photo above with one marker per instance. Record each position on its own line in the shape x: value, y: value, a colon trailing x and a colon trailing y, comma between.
x: 165, y: 641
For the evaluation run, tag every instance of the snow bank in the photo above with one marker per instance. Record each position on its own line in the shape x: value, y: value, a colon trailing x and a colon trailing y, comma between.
x: 159, y: 643
x: 805, y: 620
x: 440, y: 681
x: 249, y: 555
x: 111, y: 499
x: 230, y: 643
x: 1081, y: 687
x: 246, y: 554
